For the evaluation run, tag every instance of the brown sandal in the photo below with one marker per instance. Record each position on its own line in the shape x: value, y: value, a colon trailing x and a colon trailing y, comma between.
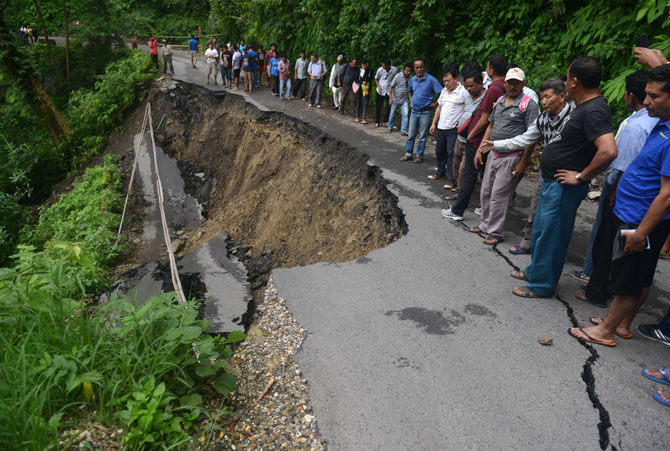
x: 418, y: 160
x: 405, y: 158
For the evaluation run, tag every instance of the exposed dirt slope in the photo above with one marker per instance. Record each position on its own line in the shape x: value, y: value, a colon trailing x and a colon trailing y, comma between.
x: 281, y: 184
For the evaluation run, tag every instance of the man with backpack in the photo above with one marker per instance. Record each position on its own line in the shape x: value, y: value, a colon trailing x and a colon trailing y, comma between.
x: 316, y: 71
x: 512, y: 115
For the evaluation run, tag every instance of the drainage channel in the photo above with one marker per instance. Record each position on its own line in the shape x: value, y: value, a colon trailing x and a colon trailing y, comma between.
x: 587, y: 375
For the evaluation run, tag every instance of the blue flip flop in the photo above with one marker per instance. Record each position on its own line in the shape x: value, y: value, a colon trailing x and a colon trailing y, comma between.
x: 658, y: 398
x: 665, y: 372
x: 518, y: 250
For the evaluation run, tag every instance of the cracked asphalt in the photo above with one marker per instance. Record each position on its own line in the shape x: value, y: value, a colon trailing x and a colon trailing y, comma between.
x: 422, y: 345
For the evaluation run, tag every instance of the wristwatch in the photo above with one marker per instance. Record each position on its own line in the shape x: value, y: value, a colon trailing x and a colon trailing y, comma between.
x: 579, y: 178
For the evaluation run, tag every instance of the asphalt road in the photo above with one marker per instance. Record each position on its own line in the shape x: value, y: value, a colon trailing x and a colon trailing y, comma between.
x: 422, y: 345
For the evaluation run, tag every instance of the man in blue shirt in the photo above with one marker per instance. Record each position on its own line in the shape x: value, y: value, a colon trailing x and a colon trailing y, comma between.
x: 422, y: 90
x: 642, y: 213
x: 630, y: 139
x: 254, y: 64
x: 193, y: 50
x: 274, y: 72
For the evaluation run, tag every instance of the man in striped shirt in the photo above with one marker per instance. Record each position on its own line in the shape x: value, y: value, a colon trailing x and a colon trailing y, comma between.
x: 399, y: 98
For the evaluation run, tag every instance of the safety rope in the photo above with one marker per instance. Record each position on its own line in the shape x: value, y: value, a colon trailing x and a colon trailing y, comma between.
x: 176, y: 282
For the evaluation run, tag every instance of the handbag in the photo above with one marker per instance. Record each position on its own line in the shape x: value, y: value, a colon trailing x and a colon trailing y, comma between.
x: 355, y: 87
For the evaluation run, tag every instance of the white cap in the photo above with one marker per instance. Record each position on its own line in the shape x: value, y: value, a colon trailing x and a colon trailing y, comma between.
x: 340, y: 57
x: 515, y: 73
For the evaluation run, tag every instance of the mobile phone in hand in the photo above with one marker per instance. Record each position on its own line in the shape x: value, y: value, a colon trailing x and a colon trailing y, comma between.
x: 642, y: 41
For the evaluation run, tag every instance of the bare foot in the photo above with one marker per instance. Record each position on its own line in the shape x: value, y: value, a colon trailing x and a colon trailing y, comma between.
x: 594, y: 331
x: 620, y: 331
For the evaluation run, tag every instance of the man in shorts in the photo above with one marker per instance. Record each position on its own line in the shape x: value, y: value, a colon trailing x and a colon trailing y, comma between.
x: 193, y: 50
x: 211, y: 55
x: 642, y: 215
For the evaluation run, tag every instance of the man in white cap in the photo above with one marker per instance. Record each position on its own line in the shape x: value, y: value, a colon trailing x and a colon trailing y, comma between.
x: 512, y: 115
x: 333, y: 83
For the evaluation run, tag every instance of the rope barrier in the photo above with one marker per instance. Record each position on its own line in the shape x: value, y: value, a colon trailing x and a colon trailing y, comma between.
x: 176, y: 282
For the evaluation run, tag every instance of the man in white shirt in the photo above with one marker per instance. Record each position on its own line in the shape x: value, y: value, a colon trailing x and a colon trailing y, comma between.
x: 383, y: 79
x: 211, y: 55
x: 316, y: 71
x: 333, y: 82
x: 450, y: 106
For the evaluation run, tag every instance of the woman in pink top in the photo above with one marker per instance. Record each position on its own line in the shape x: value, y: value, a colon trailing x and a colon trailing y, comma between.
x: 284, y: 77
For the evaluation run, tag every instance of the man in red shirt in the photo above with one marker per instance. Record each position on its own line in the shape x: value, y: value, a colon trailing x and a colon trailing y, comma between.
x: 496, y: 68
x: 153, y: 49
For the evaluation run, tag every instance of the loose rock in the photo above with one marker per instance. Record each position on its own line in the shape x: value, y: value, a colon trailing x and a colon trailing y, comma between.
x: 545, y: 340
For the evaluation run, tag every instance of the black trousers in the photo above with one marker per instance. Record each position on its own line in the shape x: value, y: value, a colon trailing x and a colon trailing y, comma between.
x: 275, y: 84
x: 379, y: 101
x: 444, y: 152
x: 596, y: 290
x: 299, y: 85
x: 470, y: 175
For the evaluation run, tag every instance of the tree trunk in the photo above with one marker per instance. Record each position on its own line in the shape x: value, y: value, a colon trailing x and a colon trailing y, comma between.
x: 21, y: 71
x: 46, y: 35
x: 67, y: 44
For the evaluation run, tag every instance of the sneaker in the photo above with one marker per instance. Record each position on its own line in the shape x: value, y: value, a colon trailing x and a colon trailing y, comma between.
x: 318, y: 106
x: 653, y: 332
x: 478, y: 211
x: 451, y: 215
x: 581, y: 276
x: 310, y: 105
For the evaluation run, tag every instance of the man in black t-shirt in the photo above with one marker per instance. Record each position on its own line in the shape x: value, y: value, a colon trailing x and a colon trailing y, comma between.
x: 580, y: 150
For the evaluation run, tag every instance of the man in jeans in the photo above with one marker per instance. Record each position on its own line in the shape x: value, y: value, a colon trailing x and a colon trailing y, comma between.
x: 399, y: 98
x: 474, y: 84
x: 346, y: 78
x: 422, y: 90
x: 333, y: 81
x: 383, y: 79
x: 583, y: 149
x: 300, y: 76
x: 496, y: 68
x: 450, y: 106
x: 316, y: 71
x: 512, y: 115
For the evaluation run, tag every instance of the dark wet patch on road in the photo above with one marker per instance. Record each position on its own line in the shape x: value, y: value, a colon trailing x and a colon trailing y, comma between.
x: 479, y: 310
x: 432, y: 322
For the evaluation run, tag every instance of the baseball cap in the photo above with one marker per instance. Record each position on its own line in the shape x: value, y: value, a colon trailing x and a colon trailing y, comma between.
x: 515, y: 73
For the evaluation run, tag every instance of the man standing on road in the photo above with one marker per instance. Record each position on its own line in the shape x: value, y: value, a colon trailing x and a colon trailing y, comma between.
x: 383, y: 79
x: 153, y: 50
x: 630, y: 140
x: 474, y: 84
x: 193, y: 50
x: 254, y: 65
x: 333, y: 81
x: 642, y: 214
x: 512, y: 115
x: 422, y: 90
x: 300, y: 76
x: 247, y: 69
x: 167, y: 57
x: 496, y: 68
x: 450, y: 106
x: 211, y: 56
x: 316, y: 71
x: 348, y: 75
x: 581, y: 150
x: 237, y: 64
x: 556, y: 109
x: 274, y: 72
x: 226, y: 60
x: 399, y: 98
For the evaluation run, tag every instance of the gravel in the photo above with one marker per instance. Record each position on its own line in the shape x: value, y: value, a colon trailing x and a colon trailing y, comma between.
x: 283, y: 418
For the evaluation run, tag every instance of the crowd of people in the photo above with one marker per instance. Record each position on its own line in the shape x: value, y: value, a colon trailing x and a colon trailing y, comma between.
x: 487, y: 125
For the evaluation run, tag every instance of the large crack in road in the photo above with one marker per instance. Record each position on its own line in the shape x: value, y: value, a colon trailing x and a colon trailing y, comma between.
x: 587, y: 375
